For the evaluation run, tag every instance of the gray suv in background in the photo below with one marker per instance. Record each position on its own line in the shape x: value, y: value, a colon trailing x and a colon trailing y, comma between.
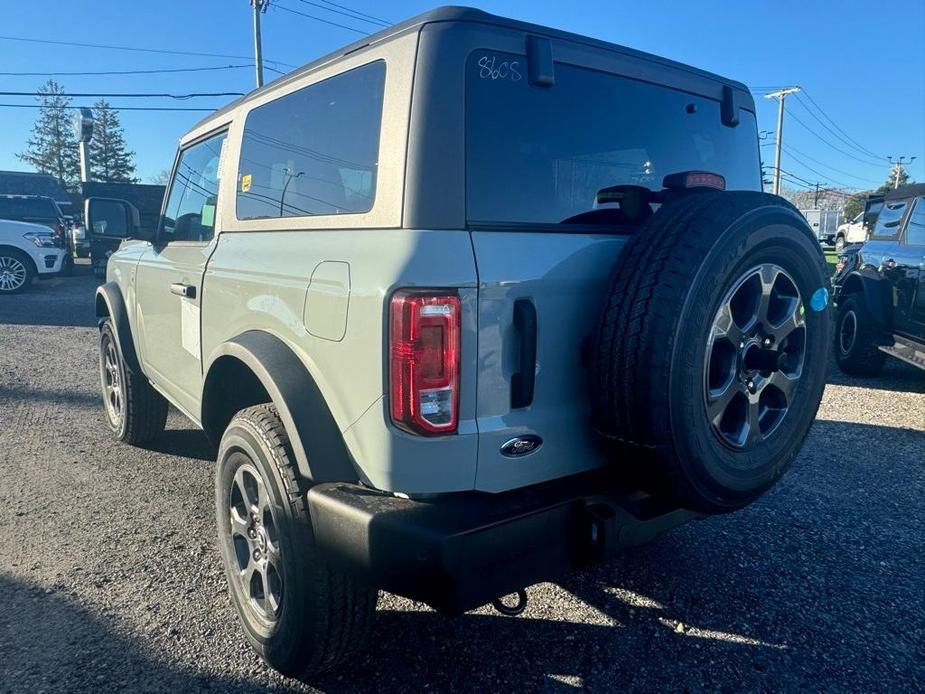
x: 464, y: 305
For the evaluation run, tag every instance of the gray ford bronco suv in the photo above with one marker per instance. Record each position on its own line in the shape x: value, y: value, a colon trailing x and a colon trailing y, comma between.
x: 464, y: 306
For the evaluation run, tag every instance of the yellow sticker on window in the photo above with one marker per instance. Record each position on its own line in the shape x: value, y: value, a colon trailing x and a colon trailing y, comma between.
x: 245, y: 183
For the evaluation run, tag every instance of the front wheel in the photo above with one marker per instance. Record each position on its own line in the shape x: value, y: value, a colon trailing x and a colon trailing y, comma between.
x: 839, y: 244
x: 135, y: 412
x: 16, y: 271
x: 300, y: 614
x: 856, y: 350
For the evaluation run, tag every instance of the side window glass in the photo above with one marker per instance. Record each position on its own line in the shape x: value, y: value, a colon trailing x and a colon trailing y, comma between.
x: 915, y: 229
x: 889, y: 219
x: 314, y: 151
x: 190, y: 213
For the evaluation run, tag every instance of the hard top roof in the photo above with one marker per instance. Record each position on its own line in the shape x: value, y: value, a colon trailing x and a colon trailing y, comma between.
x: 912, y: 190
x: 452, y: 13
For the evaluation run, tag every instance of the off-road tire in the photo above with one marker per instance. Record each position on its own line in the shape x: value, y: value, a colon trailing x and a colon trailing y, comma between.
x: 649, y: 371
x: 324, y: 614
x: 143, y: 412
x: 857, y: 355
x: 18, y: 259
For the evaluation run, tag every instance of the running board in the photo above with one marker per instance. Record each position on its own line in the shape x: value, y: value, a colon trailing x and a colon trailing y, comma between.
x: 910, y: 352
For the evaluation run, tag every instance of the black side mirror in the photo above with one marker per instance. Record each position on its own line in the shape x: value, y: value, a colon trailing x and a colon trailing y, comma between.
x: 114, y: 218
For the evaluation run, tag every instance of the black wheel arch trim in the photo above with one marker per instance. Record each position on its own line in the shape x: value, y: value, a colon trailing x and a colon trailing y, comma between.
x: 877, y: 296
x: 110, y: 305
x: 317, y: 442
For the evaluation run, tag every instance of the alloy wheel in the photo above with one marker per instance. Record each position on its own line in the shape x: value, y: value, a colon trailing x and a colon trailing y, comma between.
x: 113, y: 395
x: 12, y: 273
x: 255, y: 540
x: 754, y: 358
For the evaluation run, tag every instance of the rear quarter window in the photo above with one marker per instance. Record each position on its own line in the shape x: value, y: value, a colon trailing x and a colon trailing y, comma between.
x: 539, y: 155
x: 314, y: 151
x: 890, y: 219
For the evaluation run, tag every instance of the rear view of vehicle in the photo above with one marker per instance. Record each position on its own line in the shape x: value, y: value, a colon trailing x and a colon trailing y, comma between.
x: 467, y: 305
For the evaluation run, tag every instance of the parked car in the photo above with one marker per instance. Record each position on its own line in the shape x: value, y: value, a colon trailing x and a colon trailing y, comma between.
x: 464, y: 306
x: 37, y: 209
x: 26, y: 251
x: 857, y: 229
x: 881, y: 294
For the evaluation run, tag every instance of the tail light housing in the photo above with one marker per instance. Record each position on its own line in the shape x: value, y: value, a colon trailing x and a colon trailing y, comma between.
x: 424, y: 361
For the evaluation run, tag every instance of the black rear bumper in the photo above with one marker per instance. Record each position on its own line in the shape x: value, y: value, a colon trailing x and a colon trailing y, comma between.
x: 459, y: 551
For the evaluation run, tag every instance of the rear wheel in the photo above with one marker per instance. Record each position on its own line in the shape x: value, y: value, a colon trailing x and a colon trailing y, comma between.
x: 856, y: 350
x: 16, y: 271
x: 300, y: 614
x: 711, y: 351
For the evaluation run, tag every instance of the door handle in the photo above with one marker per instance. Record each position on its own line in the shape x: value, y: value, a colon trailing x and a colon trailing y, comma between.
x: 523, y: 381
x: 185, y: 290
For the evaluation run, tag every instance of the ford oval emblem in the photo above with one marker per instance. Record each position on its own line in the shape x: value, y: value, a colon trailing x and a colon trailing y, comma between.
x: 521, y: 446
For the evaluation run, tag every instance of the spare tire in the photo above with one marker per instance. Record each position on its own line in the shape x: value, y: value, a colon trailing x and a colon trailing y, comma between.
x: 711, y: 350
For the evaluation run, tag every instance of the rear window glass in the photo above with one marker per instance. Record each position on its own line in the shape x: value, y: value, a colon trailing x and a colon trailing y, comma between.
x: 540, y: 155
x: 315, y: 151
x: 887, y: 226
x: 21, y: 208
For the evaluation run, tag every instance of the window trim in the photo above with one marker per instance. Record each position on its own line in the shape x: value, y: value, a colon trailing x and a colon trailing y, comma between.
x: 216, y: 230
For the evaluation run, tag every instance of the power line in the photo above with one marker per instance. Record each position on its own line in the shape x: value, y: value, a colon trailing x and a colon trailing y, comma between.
x: 136, y: 49
x: 819, y: 173
x: 319, y: 19
x: 788, y: 148
x: 838, y: 137
x: 837, y: 149
x: 118, y: 108
x: 858, y: 144
x: 123, y: 72
x: 357, y: 12
x: 355, y: 15
x: 131, y: 95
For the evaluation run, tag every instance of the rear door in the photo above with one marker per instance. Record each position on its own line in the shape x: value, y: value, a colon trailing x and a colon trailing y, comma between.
x: 536, y: 156
x: 910, y: 274
x: 169, y: 274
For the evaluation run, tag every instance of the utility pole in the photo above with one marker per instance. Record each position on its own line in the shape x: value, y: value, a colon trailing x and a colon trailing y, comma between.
x: 816, y: 196
x: 780, y: 95
x: 898, y: 168
x: 260, y: 6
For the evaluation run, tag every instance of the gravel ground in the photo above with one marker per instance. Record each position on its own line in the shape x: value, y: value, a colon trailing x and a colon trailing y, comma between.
x: 110, y: 578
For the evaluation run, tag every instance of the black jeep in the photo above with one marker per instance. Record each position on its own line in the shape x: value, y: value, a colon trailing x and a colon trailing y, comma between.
x: 881, y: 295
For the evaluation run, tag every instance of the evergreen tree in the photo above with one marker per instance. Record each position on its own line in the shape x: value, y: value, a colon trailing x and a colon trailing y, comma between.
x: 110, y: 161
x: 52, y: 148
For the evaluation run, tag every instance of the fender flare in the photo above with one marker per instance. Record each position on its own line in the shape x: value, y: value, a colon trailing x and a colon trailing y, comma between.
x: 317, y: 443
x: 110, y: 304
x: 877, y: 295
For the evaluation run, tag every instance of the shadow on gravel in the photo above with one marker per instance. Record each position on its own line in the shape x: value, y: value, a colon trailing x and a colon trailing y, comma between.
x: 896, y: 376
x: 185, y: 443
x: 60, y: 301
x: 9, y: 394
x: 51, y: 644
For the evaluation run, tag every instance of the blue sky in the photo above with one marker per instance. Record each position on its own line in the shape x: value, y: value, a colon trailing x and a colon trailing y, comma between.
x: 863, y: 65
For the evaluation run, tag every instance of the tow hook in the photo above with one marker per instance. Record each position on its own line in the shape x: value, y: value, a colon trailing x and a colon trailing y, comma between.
x: 511, y: 610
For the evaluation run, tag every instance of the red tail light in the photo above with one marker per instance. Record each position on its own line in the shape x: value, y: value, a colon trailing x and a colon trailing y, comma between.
x: 424, y: 361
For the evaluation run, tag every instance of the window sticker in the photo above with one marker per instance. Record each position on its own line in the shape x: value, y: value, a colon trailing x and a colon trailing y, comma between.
x: 245, y: 183
x: 221, y: 161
